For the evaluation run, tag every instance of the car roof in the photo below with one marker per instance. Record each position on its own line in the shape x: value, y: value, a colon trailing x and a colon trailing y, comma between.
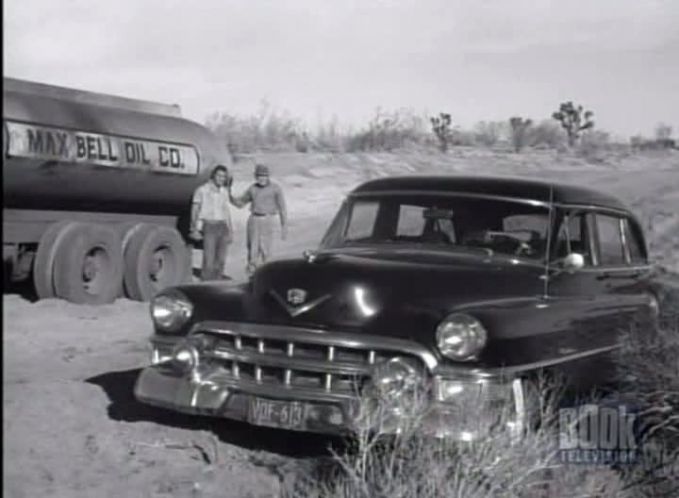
x: 519, y: 188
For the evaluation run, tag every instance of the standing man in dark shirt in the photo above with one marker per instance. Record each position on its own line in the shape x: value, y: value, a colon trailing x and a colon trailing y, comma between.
x: 266, y: 201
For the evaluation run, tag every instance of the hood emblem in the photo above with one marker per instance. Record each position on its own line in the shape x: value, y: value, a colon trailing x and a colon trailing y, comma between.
x: 296, y: 302
x: 296, y: 296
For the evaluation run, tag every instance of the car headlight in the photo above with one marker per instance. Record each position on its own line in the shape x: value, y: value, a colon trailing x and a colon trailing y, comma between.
x: 170, y: 311
x: 460, y: 337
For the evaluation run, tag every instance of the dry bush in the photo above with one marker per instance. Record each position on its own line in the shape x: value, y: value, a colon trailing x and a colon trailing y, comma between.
x: 387, y: 131
x: 502, y: 463
x: 594, y: 145
x: 329, y: 137
x: 546, y: 134
x: 663, y: 140
x: 489, y: 133
x: 269, y: 129
x: 649, y: 367
x: 519, y: 132
x: 462, y: 138
x: 663, y: 132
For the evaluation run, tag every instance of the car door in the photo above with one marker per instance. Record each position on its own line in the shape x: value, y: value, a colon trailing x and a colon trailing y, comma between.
x: 598, y: 303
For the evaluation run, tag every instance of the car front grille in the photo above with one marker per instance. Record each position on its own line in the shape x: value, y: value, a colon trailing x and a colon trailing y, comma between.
x: 291, y: 357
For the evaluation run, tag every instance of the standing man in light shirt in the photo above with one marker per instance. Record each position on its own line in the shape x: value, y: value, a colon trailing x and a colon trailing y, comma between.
x: 266, y: 201
x: 211, y: 222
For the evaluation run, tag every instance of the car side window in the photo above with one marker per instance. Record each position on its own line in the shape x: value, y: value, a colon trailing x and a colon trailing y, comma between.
x: 362, y: 222
x: 634, y: 243
x: 410, y: 221
x: 574, y: 237
x: 611, y: 250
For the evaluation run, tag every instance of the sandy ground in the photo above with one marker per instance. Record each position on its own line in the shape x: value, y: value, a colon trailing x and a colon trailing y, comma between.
x: 71, y: 425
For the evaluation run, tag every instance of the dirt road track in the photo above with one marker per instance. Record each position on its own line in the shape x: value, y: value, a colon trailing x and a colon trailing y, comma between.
x: 73, y: 429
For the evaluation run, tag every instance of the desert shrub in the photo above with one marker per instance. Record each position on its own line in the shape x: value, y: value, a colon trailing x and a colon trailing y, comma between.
x: 663, y: 140
x: 388, y: 131
x: 519, y: 129
x: 462, y: 138
x: 499, y: 464
x: 488, y: 133
x: 594, y: 144
x: 441, y: 127
x: 574, y: 120
x: 649, y: 369
x: 546, y: 134
x: 663, y: 132
x: 268, y: 129
x: 329, y: 137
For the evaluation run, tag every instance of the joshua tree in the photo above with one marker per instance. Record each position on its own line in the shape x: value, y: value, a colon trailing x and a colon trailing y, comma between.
x: 441, y: 127
x: 519, y: 131
x: 573, y: 120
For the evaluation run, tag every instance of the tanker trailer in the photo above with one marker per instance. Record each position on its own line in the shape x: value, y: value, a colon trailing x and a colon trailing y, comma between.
x: 97, y: 191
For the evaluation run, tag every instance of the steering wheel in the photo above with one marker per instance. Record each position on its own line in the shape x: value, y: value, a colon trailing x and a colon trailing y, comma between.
x: 524, y: 248
x: 512, y: 244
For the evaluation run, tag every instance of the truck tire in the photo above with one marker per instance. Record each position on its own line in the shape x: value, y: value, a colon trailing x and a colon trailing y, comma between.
x: 43, y: 265
x: 125, y: 231
x: 156, y: 257
x: 88, y: 264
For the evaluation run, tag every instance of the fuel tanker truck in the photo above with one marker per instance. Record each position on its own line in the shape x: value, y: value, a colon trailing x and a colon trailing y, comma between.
x: 97, y: 191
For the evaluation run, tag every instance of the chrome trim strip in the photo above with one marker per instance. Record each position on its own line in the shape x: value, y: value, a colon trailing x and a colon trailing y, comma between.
x: 608, y: 269
x: 285, y: 362
x: 455, y: 371
x: 317, y: 336
x: 451, y: 193
x: 477, y: 195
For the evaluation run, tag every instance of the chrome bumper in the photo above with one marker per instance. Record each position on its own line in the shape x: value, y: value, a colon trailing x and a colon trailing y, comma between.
x: 219, y: 398
x: 212, y: 390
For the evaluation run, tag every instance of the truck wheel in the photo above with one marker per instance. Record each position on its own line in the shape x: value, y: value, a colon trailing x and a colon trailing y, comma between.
x: 155, y: 258
x: 43, y: 266
x: 125, y: 231
x: 88, y: 264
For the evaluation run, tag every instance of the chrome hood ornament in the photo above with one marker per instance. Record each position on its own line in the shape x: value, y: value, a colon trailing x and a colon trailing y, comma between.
x: 296, y: 304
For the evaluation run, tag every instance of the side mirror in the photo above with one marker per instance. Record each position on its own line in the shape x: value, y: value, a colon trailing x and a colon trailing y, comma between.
x: 573, y: 262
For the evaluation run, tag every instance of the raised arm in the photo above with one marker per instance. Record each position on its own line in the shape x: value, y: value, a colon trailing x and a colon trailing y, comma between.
x: 240, y: 201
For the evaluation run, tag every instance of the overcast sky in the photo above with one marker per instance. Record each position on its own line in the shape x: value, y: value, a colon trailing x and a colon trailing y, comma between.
x: 477, y: 59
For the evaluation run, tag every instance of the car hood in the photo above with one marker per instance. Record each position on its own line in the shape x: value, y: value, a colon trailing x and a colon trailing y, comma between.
x: 367, y: 287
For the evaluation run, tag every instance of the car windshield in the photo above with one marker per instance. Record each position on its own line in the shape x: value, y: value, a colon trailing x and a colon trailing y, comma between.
x: 443, y: 222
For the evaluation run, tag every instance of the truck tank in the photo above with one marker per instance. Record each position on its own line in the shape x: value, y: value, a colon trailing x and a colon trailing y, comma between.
x: 97, y: 191
x: 74, y: 151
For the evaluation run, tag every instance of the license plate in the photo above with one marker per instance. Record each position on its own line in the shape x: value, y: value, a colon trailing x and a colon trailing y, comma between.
x: 272, y: 413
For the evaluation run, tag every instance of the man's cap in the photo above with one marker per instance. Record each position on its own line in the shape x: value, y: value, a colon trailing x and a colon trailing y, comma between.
x: 261, y: 170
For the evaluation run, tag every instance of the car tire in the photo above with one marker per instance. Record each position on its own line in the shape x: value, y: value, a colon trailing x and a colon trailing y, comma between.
x: 88, y: 264
x: 43, y: 265
x: 156, y: 257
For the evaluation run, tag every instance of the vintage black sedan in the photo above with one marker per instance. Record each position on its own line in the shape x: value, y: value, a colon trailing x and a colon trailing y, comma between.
x: 468, y: 285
